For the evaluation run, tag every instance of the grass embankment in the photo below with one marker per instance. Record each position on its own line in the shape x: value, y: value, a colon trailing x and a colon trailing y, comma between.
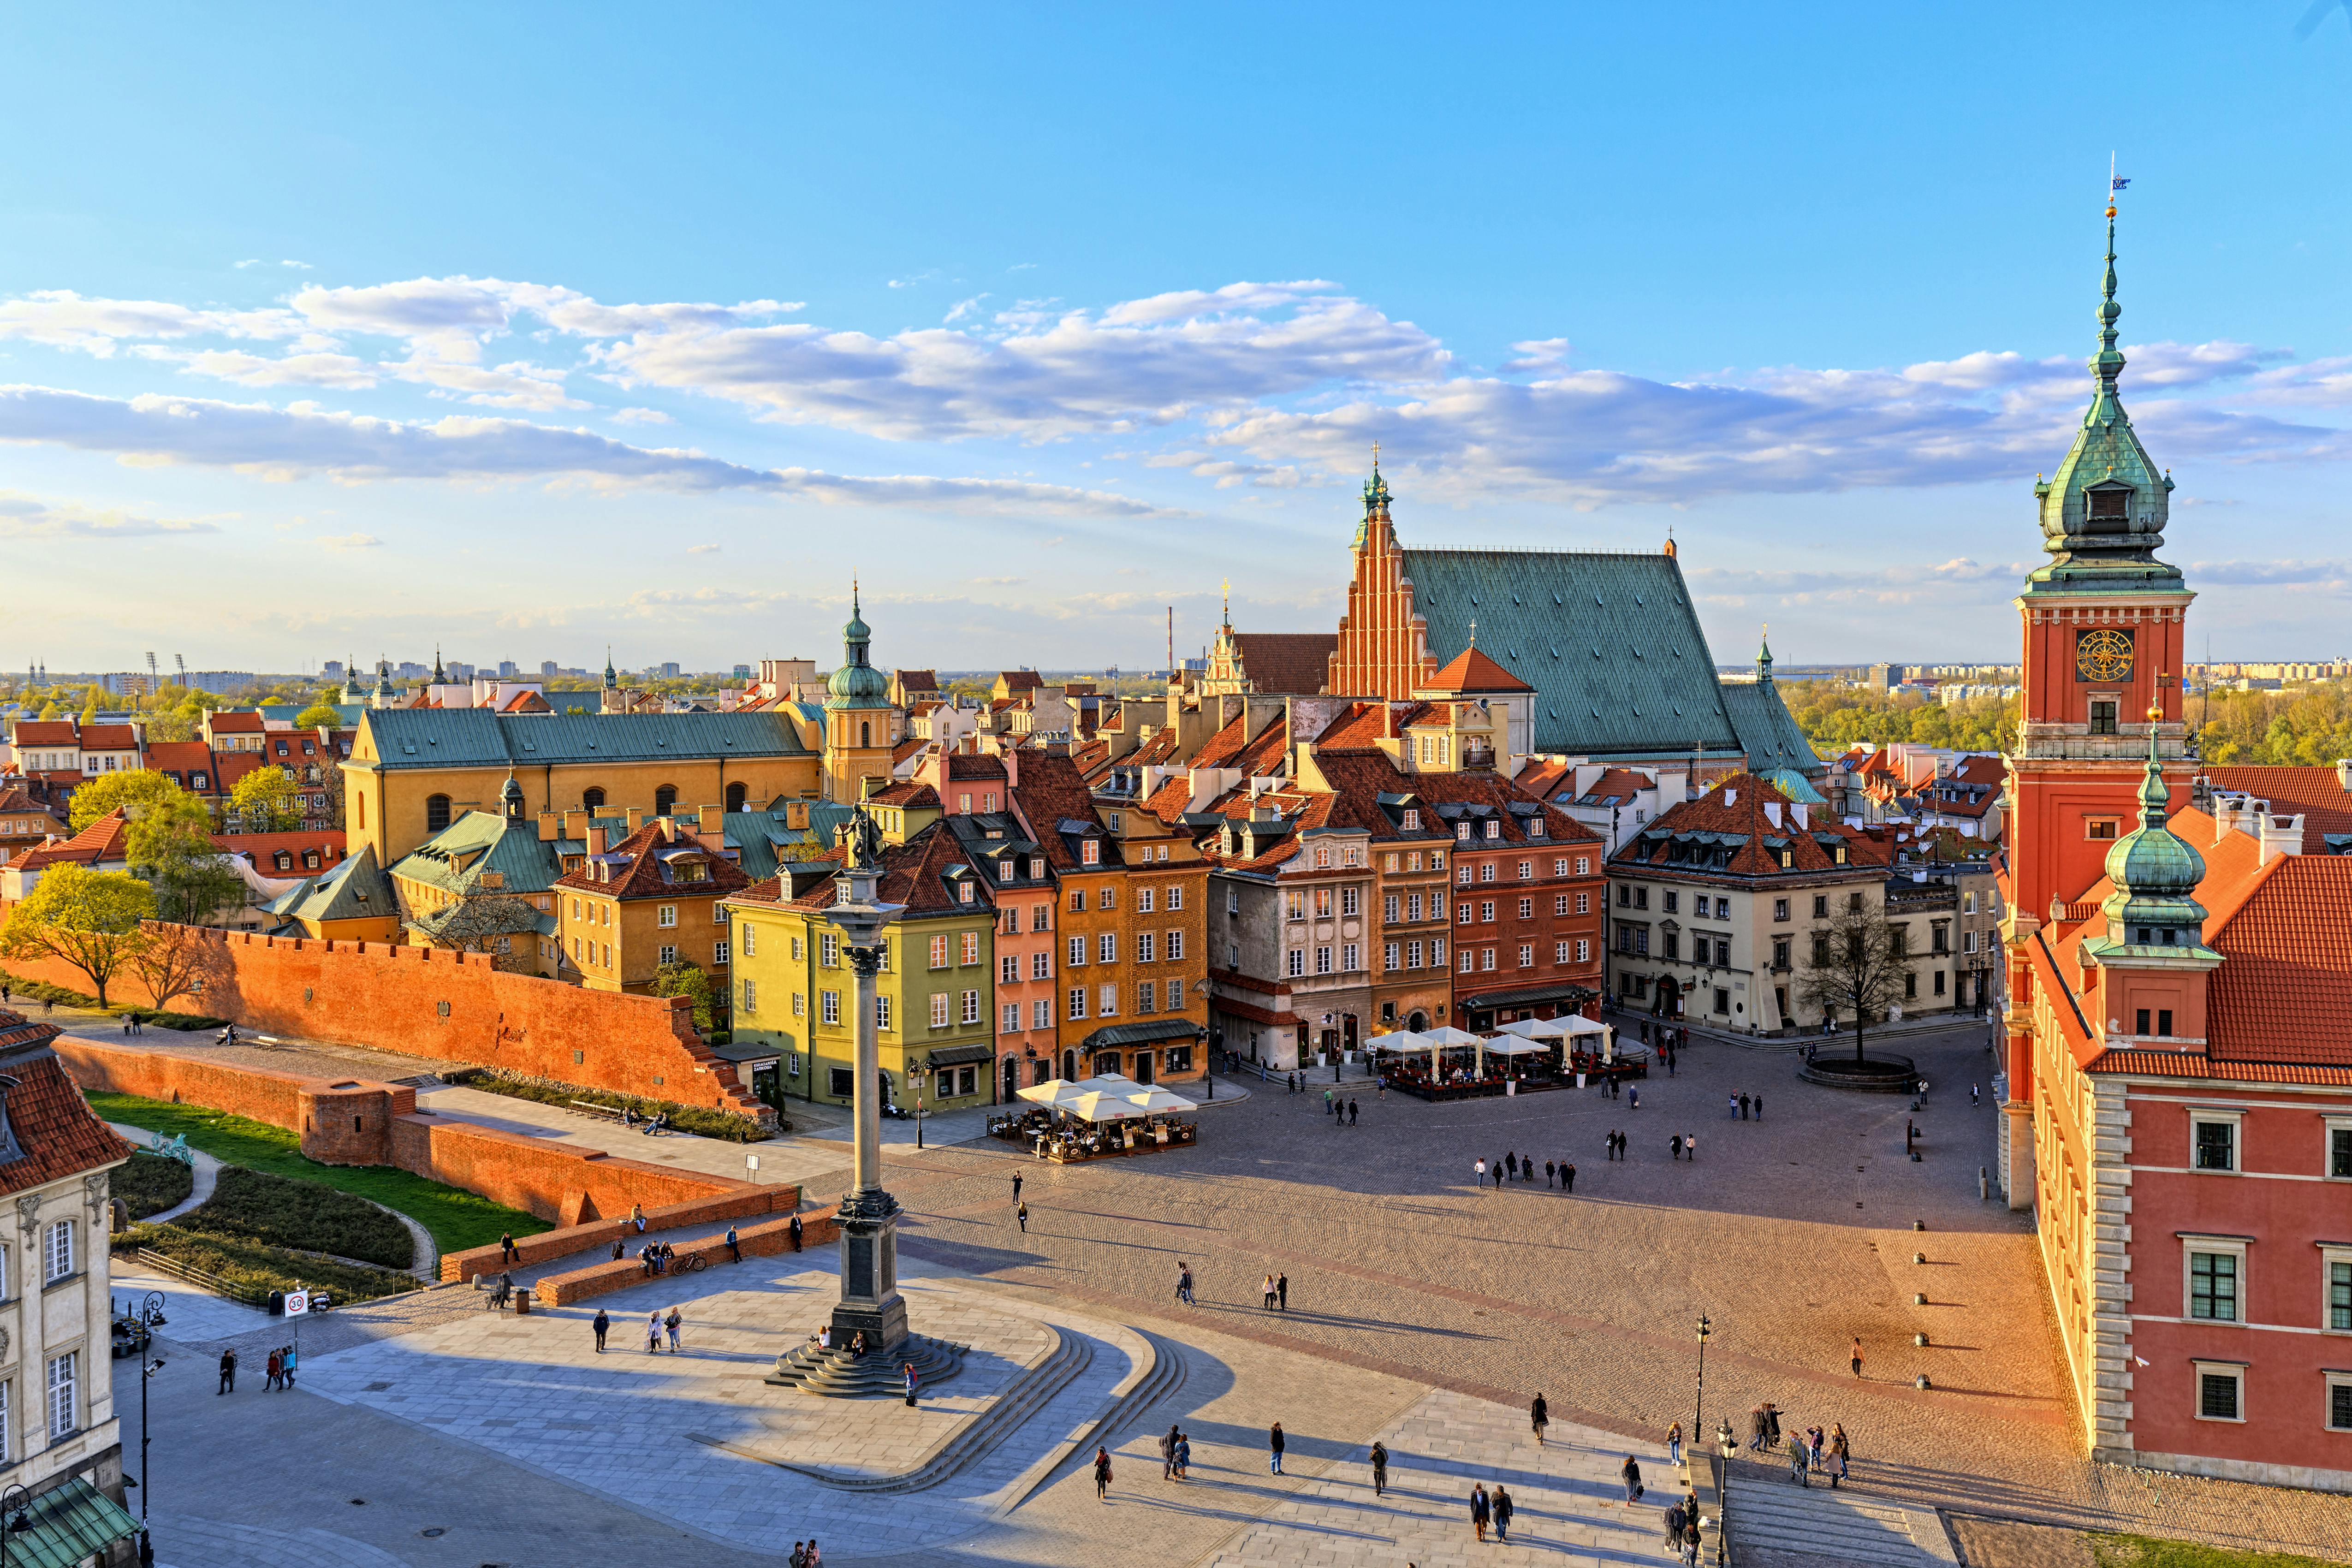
x: 255, y: 1205
x: 701, y: 1119
x: 2143, y: 1552
x: 455, y: 1218
x: 21, y: 990
x: 149, y: 1183
x: 251, y: 1269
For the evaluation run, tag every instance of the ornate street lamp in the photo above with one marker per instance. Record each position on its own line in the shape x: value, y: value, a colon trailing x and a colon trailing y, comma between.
x: 1698, y: 1410
x: 14, y: 1520
x: 150, y: 1316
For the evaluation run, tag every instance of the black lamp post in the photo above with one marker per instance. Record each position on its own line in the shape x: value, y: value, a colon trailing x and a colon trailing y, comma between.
x: 914, y: 1076
x: 150, y: 1313
x: 14, y: 1520
x: 1698, y: 1410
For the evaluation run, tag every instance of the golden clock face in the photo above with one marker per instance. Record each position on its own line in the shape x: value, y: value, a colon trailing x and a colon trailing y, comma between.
x: 2104, y: 654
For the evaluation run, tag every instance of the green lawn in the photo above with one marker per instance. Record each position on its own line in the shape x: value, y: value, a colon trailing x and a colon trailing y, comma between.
x: 456, y: 1219
x: 2142, y: 1551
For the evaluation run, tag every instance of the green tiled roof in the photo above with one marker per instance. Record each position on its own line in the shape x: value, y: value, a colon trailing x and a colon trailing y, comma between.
x: 337, y: 895
x: 1768, y: 732
x: 1610, y: 642
x: 479, y: 841
x: 475, y: 737
x: 763, y: 843
x: 69, y: 1524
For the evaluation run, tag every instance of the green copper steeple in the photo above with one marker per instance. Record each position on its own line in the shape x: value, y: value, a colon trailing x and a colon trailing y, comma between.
x: 1375, y: 501
x: 2155, y: 872
x: 2104, y: 512
x: 856, y: 684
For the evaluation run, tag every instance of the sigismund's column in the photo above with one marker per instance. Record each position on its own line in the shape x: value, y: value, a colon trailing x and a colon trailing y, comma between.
x: 869, y: 1214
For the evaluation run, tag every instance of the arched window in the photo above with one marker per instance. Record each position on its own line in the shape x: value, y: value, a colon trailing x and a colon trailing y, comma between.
x: 665, y: 798
x: 591, y: 799
x: 736, y: 794
x: 437, y: 812
x: 865, y: 733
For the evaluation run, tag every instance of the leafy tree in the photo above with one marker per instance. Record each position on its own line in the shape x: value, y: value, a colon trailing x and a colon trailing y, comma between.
x: 88, y: 919
x: 132, y: 788
x: 49, y: 710
x: 265, y: 801
x: 170, y: 724
x: 318, y: 716
x: 1856, y: 968
x: 171, y: 845
x: 683, y: 979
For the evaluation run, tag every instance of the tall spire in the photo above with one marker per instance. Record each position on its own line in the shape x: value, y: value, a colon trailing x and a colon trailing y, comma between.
x: 612, y: 680
x: 2107, y: 364
x: 1764, y: 656
x: 438, y: 679
x: 1376, y: 502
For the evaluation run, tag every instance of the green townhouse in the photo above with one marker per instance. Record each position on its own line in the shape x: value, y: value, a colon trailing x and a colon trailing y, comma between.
x: 794, y: 988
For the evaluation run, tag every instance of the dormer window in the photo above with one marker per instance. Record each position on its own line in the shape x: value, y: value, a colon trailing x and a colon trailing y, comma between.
x: 1462, y: 832
x: 1495, y: 829
x: 1412, y: 819
x: 1535, y: 827
x: 2109, y: 503
x: 964, y: 893
x: 1090, y: 853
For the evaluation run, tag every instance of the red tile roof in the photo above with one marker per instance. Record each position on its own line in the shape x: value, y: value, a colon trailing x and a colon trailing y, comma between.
x: 263, y: 848
x: 1735, y: 809
x: 1286, y: 663
x: 2284, y: 993
x: 914, y: 874
x: 1362, y: 726
x: 1019, y: 679
x: 181, y: 758
x: 50, y: 1121
x: 1168, y: 801
x: 1052, y: 791
x: 46, y: 732
x: 100, y: 842
x: 110, y: 738
x: 645, y: 852
x: 1474, y: 672
x: 975, y: 765
x: 2315, y: 793
x: 908, y: 795
x: 527, y: 702
x: 235, y: 721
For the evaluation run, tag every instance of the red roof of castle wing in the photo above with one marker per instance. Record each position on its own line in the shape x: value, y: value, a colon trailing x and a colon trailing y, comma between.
x: 1735, y: 809
x: 2284, y: 993
x: 1286, y: 663
x: 639, y: 874
x: 44, y: 733
x: 1472, y: 671
x: 50, y: 1121
x: 235, y: 721
x: 2316, y: 793
x: 110, y: 738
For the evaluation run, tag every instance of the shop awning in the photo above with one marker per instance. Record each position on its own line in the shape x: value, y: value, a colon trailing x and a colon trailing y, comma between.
x: 1143, y: 1033
x: 956, y: 1056
x: 1533, y: 996
x: 67, y: 1525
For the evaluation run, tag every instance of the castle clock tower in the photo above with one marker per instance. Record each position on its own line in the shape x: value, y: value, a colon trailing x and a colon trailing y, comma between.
x: 857, y: 714
x: 2100, y: 746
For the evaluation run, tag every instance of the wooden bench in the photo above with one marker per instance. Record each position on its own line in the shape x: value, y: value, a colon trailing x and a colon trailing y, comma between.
x: 591, y: 1108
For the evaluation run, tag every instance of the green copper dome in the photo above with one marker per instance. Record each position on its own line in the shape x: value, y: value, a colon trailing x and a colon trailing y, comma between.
x: 2104, y: 512
x: 2154, y: 869
x: 856, y: 684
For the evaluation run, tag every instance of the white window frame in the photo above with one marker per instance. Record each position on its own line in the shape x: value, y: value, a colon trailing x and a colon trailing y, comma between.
x: 1143, y: 900
x: 718, y: 953
x: 1040, y: 1013
x: 2329, y: 1126
x: 2219, y: 1246
x: 1010, y: 1022
x: 1173, y: 947
x: 1175, y: 899
x: 1106, y: 1000
x: 2329, y: 1257
x: 665, y: 915
x: 668, y: 953
x: 940, y: 1009
x: 751, y: 995
x: 2204, y: 1369
x: 65, y: 1379
x: 57, y: 1252
x: 2235, y: 1120
x: 972, y: 1007
x: 882, y: 1013
x: 829, y: 1006
x: 2330, y: 1382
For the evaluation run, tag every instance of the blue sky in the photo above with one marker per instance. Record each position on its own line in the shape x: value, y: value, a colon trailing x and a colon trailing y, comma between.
x: 525, y: 330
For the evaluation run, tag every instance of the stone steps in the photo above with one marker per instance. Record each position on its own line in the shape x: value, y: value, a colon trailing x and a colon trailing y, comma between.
x: 1779, y: 1515
x: 1163, y: 1376
x: 836, y: 1375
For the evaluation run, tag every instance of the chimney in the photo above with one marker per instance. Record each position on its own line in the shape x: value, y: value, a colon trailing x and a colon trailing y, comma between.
x: 1804, y: 815
x: 634, y: 817
x: 596, y: 840
x: 2279, y: 835
x: 550, y: 827
x: 2343, y: 773
x: 1012, y: 774
x: 668, y: 829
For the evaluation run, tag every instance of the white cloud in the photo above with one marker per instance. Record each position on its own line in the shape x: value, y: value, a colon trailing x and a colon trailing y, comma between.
x: 302, y: 266
x: 642, y: 416
x: 63, y: 319
x: 304, y: 440
x: 335, y: 370
x: 702, y: 549
x: 29, y: 517
x: 346, y: 542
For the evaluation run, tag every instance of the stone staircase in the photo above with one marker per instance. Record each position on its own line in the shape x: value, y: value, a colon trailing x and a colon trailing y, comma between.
x: 1163, y: 1376
x: 1779, y: 1516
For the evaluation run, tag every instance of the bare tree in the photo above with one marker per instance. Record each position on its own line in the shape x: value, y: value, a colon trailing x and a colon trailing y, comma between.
x: 476, y: 924
x: 1856, y: 967
x: 170, y: 962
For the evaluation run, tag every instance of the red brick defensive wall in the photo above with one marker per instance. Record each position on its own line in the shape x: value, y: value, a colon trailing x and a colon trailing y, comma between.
x: 762, y: 1240
x: 350, y: 1121
x: 428, y: 1002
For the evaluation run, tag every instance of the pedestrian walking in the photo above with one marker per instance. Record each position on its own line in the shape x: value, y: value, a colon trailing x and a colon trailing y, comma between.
x: 1269, y: 1292
x: 1327, y: 1102
x: 1016, y: 1187
x: 1020, y: 1213
x: 1675, y: 1443
x: 1633, y: 1098
x: 1690, y: 1145
x: 1167, y: 1454
x: 603, y: 1325
x: 1185, y: 1282
x: 1282, y: 1290
x: 799, y: 1558
x: 1502, y: 1512
x: 276, y: 1367
x: 1568, y: 1177
x: 1743, y: 1108
x: 1274, y: 1443
x: 1857, y: 1355
x: 1481, y: 1168
x: 1675, y: 1518
x: 1797, y: 1464
x: 1675, y: 1145
x: 1839, y: 1449
x: 1771, y: 1425
x: 1102, y: 1473
x: 1616, y: 1087
x: 734, y: 1243
x: 653, y: 1332
x: 811, y: 1559
x: 672, y: 1323
x: 1633, y: 1476
x: 1755, y: 1429
x: 1670, y: 1061
x: 289, y: 1357
x: 1481, y: 1509
x: 1972, y: 1095
x: 1183, y: 1456
x: 1379, y: 1469
x: 1760, y: 1108
x: 1539, y: 1417
x: 907, y: 1371
x: 1352, y: 1112
x: 1511, y: 1165
x: 1735, y: 1105
x: 1814, y: 1441
x: 1550, y: 1171
x: 796, y: 1247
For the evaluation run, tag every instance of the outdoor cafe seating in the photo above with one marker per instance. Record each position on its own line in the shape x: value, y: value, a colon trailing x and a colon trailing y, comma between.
x: 1097, y: 1118
x: 1525, y: 1055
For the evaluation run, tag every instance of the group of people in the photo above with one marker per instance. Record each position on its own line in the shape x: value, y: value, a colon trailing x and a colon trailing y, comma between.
x: 803, y: 1556
x: 1743, y: 1102
x: 654, y: 1257
x: 1345, y: 1110
x: 1811, y: 1452
x: 1277, y: 1296
x: 1517, y: 1167
x: 650, y: 1125
x: 280, y: 1367
x: 1175, y: 1455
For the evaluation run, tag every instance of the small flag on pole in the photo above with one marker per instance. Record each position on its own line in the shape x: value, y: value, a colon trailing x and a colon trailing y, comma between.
x: 2116, y: 182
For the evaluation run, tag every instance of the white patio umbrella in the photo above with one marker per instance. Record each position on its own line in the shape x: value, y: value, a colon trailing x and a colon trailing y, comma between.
x: 1446, y: 1034
x: 1512, y: 1046
x: 1049, y: 1094
x: 1095, y: 1106
x: 1539, y: 1029
x: 1156, y: 1101
x: 1402, y: 1041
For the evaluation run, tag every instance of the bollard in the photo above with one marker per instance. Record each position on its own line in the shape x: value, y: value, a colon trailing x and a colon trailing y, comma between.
x: 1914, y: 1156
x: 1919, y: 1297
x: 1921, y: 1381
x: 1918, y: 1257
x: 1918, y: 1224
x: 1984, y: 1183
x: 1919, y: 1340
